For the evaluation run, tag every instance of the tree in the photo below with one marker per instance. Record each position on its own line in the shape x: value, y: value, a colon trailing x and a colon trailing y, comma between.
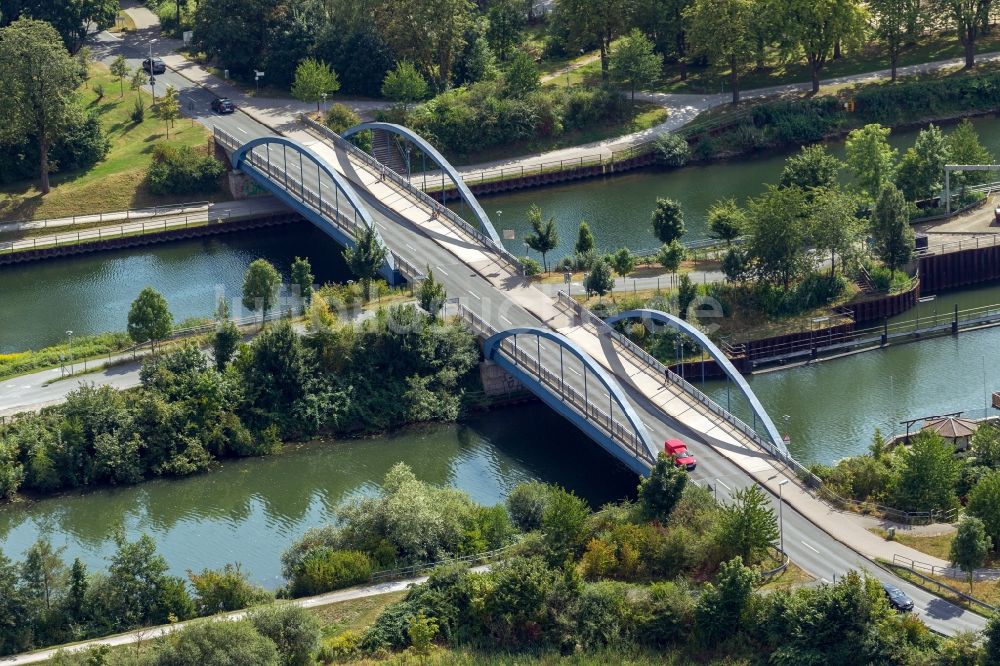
x: 921, y: 171
x: 984, y: 503
x: 421, y: 632
x: 748, y: 526
x: 260, y: 287
x: 590, y: 21
x: 217, y: 642
x: 894, y: 23
x: 365, y: 259
x: 120, y: 69
x: 668, y: 220
x: 970, y: 546
x: 817, y: 27
x: 870, y: 157
x: 137, y: 81
x: 687, y: 291
x: 633, y: 62
x: 543, y: 237
x: 584, y: 239
x: 15, y: 633
x: 992, y: 632
x: 599, y: 280
x: 44, y: 575
x: 623, y: 261
x: 431, y: 294
x: 526, y: 505
x: 429, y: 34
x: 835, y: 224
x: 226, y: 338
x: 506, y: 22
x: 302, y: 278
x: 986, y: 445
x: 72, y: 19
x: 722, y: 607
x: 295, y: 630
x: 138, y: 583
x: 890, y: 228
x: 76, y: 593
x: 927, y: 475
x: 314, y: 79
x: 724, y: 30
x: 234, y: 32
x: 660, y: 492
x: 404, y: 84
x: 37, y: 82
x: 169, y: 107
x: 810, y: 168
x: 726, y: 220
x: 522, y: 76
x: 149, y: 318
x: 970, y: 17
x: 964, y: 147
x: 564, y: 523
x: 671, y: 255
x: 778, y: 226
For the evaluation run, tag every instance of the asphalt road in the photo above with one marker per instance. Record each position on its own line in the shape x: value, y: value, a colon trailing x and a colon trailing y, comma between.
x: 811, y: 548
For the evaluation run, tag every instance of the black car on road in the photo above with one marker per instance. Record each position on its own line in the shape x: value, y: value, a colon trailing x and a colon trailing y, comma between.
x: 897, y: 598
x: 154, y: 66
x: 223, y: 105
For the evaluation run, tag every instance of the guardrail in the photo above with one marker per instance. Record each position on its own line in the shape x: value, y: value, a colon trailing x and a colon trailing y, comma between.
x: 618, y: 431
x: 446, y: 213
x: 810, y: 480
x: 102, y: 233
x: 981, y: 241
x: 416, y: 569
x: 900, y: 562
x: 112, y: 216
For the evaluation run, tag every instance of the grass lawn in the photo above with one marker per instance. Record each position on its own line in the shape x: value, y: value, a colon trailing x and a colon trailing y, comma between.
x: 117, y: 182
x: 645, y: 116
x: 938, y: 545
x: 355, y: 614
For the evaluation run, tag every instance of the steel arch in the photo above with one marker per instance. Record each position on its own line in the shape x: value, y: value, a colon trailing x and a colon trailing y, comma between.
x: 491, y: 348
x: 717, y: 355
x: 442, y: 163
x: 240, y: 163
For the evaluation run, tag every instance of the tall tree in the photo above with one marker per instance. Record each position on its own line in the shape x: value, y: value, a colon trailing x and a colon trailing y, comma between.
x: 984, y: 503
x: 169, y: 107
x: 724, y: 30
x: 893, y: 22
x: 668, y: 220
x: 584, y: 239
x: 890, y: 227
x: 970, y: 546
x: 149, y: 318
x: 121, y: 71
x: 660, y: 492
x: 37, y: 83
x: 726, y: 220
x: 633, y: 62
x: 430, y: 34
x: 543, y: 237
x: 870, y: 157
x: 72, y: 19
x: 778, y: 226
x: 928, y: 475
x: 365, y: 259
x: 811, y: 167
x: 921, y: 170
x: 432, y: 294
x: 260, y: 286
x: 522, y: 76
x: 506, y: 22
x: 969, y: 16
x: 314, y: 79
x: 404, y: 85
x: 748, y: 525
x: 598, y: 21
x: 964, y: 147
x: 818, y: 26
x: 836, y: 227
x: 234, y: 32
x: 302, y: 278
x: 227, y: 337
x: 44, y: 575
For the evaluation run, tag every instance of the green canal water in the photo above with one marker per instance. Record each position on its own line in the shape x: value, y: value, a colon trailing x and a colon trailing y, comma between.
x: 251, y: 510
x: 618, y: 208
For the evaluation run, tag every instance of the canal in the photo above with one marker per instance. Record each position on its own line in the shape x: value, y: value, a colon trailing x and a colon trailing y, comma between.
x: 251, y: 510
x: 618, y: 208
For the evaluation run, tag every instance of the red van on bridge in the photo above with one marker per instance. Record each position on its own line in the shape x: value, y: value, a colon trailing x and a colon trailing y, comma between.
x: 678, y: 450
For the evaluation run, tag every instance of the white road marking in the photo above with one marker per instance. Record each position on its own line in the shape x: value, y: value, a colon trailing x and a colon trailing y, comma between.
x: 242, y: 130
x: 507, y: 320
x: 442, y: 271
x: 810, y: 547
x: 478, y: 298
x: 411, y: 247
x: 576, y: 371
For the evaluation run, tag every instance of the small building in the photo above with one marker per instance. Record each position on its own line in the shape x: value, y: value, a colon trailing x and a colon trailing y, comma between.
x: 954, y: 428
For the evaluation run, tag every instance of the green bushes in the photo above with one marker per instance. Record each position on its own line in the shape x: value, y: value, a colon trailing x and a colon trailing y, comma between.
x: 182, y: 170
x: 83, y: 144
x: 340, y: 118
x: 911, y: 101
x: 323, y: 569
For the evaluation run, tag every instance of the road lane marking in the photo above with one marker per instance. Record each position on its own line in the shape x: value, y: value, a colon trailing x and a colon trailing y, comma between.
x: 442, y: 271
x: 507, y: 320
x: 576, y: 371
x: 475, y: 296
x: 242, y: 130
x: 810, y: 547
x: 411, y: 247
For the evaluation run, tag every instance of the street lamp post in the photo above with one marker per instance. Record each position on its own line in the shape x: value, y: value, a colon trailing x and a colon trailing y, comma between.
x: 781, y: 516
x: 69, y: 334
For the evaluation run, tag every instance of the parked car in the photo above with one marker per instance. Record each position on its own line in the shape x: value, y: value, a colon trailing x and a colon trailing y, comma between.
x: 678, y: 450
x: 154, y: 66
x: 223, y: 105
x: 897, y: 598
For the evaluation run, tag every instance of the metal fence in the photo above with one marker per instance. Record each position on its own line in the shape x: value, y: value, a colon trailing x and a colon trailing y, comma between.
x: 982, y: 241
x: 416, y: 569
x: 112, y: 216
x: 621, y: 433
x: 446, y: 214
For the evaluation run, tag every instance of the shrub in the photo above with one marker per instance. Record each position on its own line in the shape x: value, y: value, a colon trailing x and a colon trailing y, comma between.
x: 564, y: 523
x: 138, y: 113
x: 217, y: 643
x: 341, y: 647
x: 82, y: 145
x: 340, y: 118
x: 182, y: 170
x: 666, y: 615
x: 531, y: 266
x: 672, y: 150
x: 526, y: 505
x: 294, y: 630
x: 604, y: 617
x: 226, y: 589
x: 323, y: 569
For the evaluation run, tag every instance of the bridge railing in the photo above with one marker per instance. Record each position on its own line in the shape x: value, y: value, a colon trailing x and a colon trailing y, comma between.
x: 414, y: 191
x: 619, y: 432
x: 328, y: 208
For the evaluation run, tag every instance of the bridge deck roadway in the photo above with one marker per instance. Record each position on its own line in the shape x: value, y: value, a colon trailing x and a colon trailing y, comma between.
x: 824, y: 541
